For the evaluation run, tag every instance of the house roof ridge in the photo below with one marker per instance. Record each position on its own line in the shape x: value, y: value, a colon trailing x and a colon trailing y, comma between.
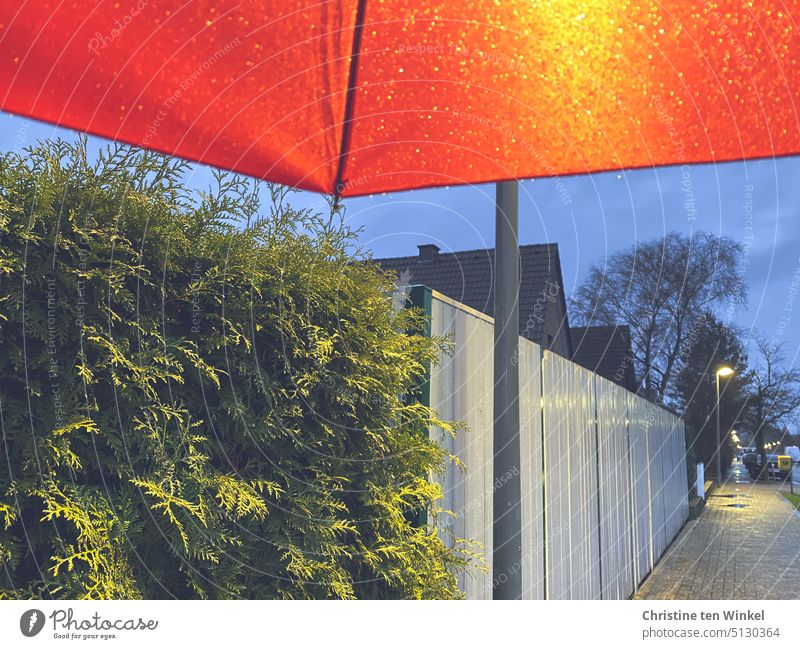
x: 550, y: 244
x: 603, y: 326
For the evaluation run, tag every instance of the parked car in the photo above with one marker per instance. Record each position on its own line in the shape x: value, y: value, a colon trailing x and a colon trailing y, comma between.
x: 752, y: 462
x: 747, y: 450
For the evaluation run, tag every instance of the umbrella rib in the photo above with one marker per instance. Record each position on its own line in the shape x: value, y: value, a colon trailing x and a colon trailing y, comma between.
x: 349, y: 105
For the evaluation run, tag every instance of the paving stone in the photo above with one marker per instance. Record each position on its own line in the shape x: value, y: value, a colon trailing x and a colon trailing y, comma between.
x: 745, y: 545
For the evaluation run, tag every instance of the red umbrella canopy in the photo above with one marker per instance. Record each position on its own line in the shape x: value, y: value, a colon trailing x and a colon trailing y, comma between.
x: 382, y: 95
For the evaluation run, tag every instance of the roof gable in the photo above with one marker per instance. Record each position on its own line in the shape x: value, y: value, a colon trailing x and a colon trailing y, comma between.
x: 605, y: 350
x: 468, y: 276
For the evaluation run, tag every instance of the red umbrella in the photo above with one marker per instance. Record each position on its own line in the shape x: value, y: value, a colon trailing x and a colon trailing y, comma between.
x: 383, y: 95
x: 362, y: 96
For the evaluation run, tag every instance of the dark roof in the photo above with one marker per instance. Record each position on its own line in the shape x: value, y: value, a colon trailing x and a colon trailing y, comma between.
x: 467, y: 278
x: 607, y: 351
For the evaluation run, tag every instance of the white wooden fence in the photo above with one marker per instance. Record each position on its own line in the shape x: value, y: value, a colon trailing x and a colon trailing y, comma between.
x: 604, y: 486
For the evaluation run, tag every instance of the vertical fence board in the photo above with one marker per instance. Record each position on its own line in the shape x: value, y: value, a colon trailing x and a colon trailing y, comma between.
x: 532, y: 483
x: 571, y: 505
x: 616, y: 524
x: 461, y: 390
x: 640, y: 478
x: 655, y: 464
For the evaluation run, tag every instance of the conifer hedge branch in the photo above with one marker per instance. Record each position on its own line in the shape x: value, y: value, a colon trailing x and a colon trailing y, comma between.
x: 201, y: 398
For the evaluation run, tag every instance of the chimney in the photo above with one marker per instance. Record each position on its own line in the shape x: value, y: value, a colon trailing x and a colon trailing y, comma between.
x: 428, y: 252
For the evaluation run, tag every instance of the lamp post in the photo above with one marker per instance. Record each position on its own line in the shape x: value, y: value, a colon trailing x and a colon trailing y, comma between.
x: 722, y: 371
x: 507, y: 506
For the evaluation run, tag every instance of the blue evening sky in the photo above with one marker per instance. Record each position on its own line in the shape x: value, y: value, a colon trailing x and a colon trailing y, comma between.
x: 591, y: 216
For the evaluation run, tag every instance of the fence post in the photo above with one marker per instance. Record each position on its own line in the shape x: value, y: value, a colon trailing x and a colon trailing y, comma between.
x: 700, y: 485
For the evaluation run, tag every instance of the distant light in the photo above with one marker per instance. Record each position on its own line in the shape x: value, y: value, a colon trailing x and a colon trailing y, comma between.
x: 724, y: 371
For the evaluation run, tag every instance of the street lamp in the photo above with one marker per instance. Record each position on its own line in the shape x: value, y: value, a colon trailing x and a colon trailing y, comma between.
x: 723, y: 371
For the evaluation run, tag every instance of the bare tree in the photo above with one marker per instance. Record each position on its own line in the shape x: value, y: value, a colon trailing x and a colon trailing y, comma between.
x: 774, y: 396
x: 694, y: 392
x: 661, y: 289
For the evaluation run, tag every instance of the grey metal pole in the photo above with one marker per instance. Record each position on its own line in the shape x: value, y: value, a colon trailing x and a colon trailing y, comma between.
x: 507, y: 508
x: 719, y: 443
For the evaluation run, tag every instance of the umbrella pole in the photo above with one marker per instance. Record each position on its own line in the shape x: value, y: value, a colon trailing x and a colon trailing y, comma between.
x: 507, y: 523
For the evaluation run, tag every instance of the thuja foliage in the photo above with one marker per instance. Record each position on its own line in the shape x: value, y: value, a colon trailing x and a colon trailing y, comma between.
x: 201, y: 396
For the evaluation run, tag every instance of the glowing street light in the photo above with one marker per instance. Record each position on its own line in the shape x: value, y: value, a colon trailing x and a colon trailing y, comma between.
x: 724, y: 372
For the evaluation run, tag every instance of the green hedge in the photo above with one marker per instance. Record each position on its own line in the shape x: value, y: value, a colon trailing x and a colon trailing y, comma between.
x: 200, y: 398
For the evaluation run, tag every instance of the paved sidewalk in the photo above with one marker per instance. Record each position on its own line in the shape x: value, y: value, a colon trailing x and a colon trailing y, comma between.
x: 745, y: 545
